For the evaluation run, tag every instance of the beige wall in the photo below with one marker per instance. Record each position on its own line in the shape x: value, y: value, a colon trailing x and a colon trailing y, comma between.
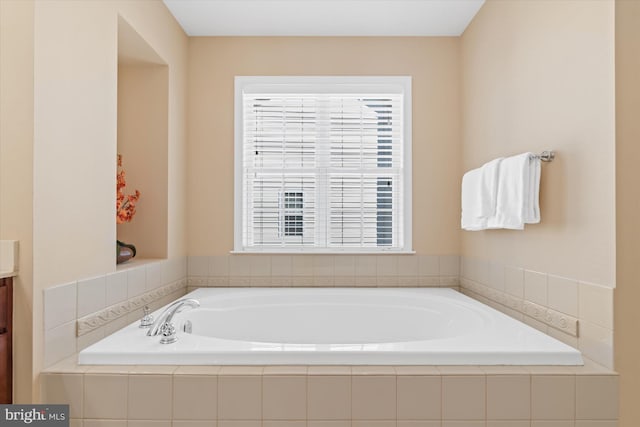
x: 432, y: 62
x: 16, y: 172
x: 539, y: 75
x: 627, y: 316
x: 64, y: 59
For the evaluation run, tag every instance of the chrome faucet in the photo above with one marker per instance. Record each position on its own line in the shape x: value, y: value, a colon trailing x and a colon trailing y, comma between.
x: 163, y: 326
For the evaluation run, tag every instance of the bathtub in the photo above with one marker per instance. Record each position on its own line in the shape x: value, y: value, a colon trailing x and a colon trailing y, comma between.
x: 325, y: 326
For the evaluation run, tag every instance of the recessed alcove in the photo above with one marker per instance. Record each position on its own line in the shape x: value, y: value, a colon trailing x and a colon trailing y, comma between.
x: 143, y: 103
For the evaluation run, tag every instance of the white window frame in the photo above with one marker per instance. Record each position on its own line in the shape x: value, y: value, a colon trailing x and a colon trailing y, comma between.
x: 323, y: 84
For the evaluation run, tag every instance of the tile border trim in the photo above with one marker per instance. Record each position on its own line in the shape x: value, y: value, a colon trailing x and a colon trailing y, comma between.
x: 93, y: 321
x: 548, y: 316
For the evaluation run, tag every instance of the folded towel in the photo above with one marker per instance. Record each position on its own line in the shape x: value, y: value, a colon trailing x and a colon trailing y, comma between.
x: 479, y: 194
x: 517, y: 201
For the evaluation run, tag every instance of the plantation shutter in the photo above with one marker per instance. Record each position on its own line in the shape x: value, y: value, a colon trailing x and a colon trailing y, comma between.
x: 322, y: 171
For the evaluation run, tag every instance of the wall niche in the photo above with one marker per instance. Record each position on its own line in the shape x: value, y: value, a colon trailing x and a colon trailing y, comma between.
x: 143, y: 114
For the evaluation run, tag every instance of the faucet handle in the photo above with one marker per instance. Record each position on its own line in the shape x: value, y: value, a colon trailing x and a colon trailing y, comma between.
x: 147, y: 319
x: 168, y: 332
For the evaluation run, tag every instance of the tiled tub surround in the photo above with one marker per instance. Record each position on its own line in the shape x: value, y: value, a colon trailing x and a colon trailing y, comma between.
x: 78, y: 314
x: 577, y: 313
x: 336, y: 396
x: 324, y: 270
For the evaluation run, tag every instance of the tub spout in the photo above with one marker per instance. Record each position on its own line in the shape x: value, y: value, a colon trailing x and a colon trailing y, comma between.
x: 163, y: 326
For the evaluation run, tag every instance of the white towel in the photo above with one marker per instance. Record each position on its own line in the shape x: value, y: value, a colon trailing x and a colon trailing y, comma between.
x: 479, y: 194
x: 518, y: 192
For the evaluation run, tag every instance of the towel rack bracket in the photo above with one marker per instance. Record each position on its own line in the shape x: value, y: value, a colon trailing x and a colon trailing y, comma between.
x: 547, y: 156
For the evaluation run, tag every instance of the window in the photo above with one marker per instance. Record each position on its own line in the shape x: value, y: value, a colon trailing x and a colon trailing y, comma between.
x: 323, y: 164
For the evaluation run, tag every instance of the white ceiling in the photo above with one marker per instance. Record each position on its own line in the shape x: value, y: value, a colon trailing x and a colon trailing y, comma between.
x: 324, y: 17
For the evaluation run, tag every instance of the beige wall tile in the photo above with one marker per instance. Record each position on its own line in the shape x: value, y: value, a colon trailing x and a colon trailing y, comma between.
x: 463, y: 424
x: 64, y: 389
x: 260, y: 265
x: 323, y: 265
x: 428, y: 265
x: 373, y: 397
x: 508, y: 397
x: 323, y: 281
x: 481, y: 271
x: 192, y: 423
x: 344, y: 281
x: 419, y: 397
x: 535, y: 287
x: 332, y: 370
x: 345, y: 423
x: 463, y: 397
x: 154, y: 276
x: 284, y: 397
x: 552, y: 424
x: 199, y: 370
x: 59, y: 305
x: 239, y: 423
x: 239, y: 397
x: 329, y: 397
x: 219, y: 266
x: 596, y: 305
x: 281, y: 265
x: 240, y: 265
x: 60, y: 342
x: 552, y: 397
x: 366, y: 265
x: 596, y: 397
x: 511, y: 423
x: 148, y: 423
x: 116, y: 288
x: 497, y: 275
x: 563, y: 295
x: 285, y: 370
x: 105, y: 423
x: 407, y: 265
x: 344, y: 265
x: 449, y: 265
x: 514, y: 281
x: 195, y: 397
x: 373, y: 370
x: 198, y: 266
x: 136, y: 281
x: 373, y: 424
x: 465, y: 370
x: 149, y: 397
x: 105, y: 396
x: 591, y: 423
x: 417, y: 370
x: 91, y: 295
x: 302, y: 265
x: 596, y: 343
x: 284, y: 424
x: 419, y: 424
x: 154, y: 369
x: 387, y: 265
x: 366, y: 281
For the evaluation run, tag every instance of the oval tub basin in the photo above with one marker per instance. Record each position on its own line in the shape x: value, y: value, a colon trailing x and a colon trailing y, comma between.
x: 325, y: 326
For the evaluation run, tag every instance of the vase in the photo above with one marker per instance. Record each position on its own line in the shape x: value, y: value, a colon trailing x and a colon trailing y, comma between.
x: 124, y: 252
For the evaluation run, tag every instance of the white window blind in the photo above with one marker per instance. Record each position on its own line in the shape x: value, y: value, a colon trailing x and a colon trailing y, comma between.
x: 322, y: 170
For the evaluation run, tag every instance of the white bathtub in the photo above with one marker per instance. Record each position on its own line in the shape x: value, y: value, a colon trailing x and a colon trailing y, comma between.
x: 324, y: 326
